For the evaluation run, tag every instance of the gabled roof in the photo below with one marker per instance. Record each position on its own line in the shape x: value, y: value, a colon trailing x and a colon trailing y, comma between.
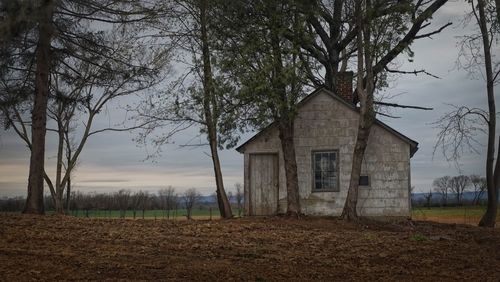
x: 413, y: 144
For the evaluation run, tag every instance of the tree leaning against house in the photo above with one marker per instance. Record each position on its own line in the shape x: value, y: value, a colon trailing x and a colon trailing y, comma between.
x: 389, y: 28
x: 268, y: 72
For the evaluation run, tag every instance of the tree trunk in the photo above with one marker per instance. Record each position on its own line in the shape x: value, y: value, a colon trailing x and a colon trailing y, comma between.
x: 286, y: 133
x: 68, y: 159
x: 492, y: 174
x: 34, y: 201
x: 68, y: 195
x: 59, y: 206
x: 285, y: 115
x: 209, y: 105
x: 367, y: 114
x: 223, y: 201
x: 350, y: 212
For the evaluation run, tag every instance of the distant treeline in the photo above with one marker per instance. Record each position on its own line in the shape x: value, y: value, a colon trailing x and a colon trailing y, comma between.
x: 453, y: 191
x: 125, y: 201
x: 445, y: 191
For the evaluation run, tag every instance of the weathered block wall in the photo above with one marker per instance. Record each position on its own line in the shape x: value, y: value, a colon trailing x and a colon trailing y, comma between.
x: 324, y: 123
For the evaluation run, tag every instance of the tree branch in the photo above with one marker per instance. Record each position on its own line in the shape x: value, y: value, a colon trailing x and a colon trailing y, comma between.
x: 434, y: 32
x: 403, y: 106
x: 415, y: 72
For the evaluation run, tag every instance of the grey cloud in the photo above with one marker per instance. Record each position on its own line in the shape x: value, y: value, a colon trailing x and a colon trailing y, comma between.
x: 117, y: 152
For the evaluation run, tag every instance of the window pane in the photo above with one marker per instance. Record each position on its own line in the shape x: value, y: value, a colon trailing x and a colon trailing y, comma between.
x: 330, y: 179
x: 327, y: 174
x: 324, y: 162
x: 325, y: 170
x: 331, y: 165
x: 317, y: 175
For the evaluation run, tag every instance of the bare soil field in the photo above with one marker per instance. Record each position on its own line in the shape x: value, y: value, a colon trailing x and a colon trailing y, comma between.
x: 262, y: 249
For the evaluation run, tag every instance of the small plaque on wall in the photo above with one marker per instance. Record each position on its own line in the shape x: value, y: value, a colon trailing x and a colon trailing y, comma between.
x: 364, y: 180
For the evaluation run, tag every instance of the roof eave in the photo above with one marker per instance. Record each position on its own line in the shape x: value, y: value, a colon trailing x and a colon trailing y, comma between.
x: 413, y: 144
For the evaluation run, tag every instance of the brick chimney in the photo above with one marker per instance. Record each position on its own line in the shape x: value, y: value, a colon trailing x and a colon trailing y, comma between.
x: 343, y: 86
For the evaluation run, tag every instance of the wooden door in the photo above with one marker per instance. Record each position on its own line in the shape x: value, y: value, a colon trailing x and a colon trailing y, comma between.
x: 263, y: 184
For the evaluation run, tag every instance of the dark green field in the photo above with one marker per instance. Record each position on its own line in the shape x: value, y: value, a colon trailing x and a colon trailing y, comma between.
x: 150, y: 214
x: 460, y: 215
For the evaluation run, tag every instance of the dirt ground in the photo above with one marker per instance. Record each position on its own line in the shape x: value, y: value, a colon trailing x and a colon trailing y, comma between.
x: 264, y: 249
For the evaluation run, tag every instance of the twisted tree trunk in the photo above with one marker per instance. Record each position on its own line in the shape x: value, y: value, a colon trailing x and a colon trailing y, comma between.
x: 365, y: 91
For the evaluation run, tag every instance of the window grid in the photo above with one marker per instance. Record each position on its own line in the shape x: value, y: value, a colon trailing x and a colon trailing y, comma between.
x: 325, y: 171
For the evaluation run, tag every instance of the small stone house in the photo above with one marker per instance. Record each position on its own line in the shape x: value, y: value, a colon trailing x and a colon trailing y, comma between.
x: 325, y: 134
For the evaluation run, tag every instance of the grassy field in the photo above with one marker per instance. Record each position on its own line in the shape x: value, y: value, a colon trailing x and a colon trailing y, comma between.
x: 460, y: 215
x: 150, y: 214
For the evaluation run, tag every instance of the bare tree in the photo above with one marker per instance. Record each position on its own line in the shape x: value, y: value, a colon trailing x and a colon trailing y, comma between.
x: 86, y: 93
x: 198, y: 97
x: 460, y: 128
x: 458, y: 184
x: 479, y: 185
x: 75, y: 203
x: 62, y: 33
x: 442, y: 186
x: 239, y: 197
x: 190, y: 197
x: 12, y: 204
x: 135, y: 199
x: 168, y: 200
x: 109, y: 204
x: 230, y: 196
x: 123, y: 200
x: 428, y: 198
x: 140, y: 201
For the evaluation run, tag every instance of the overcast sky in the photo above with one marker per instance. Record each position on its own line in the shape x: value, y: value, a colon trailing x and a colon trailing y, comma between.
x: 112, y: 161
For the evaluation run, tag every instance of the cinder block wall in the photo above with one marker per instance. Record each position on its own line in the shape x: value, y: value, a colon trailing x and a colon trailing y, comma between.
x: 324, y: 123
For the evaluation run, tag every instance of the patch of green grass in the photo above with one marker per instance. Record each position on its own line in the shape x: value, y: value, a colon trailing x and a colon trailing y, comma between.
x: 418, y: 237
